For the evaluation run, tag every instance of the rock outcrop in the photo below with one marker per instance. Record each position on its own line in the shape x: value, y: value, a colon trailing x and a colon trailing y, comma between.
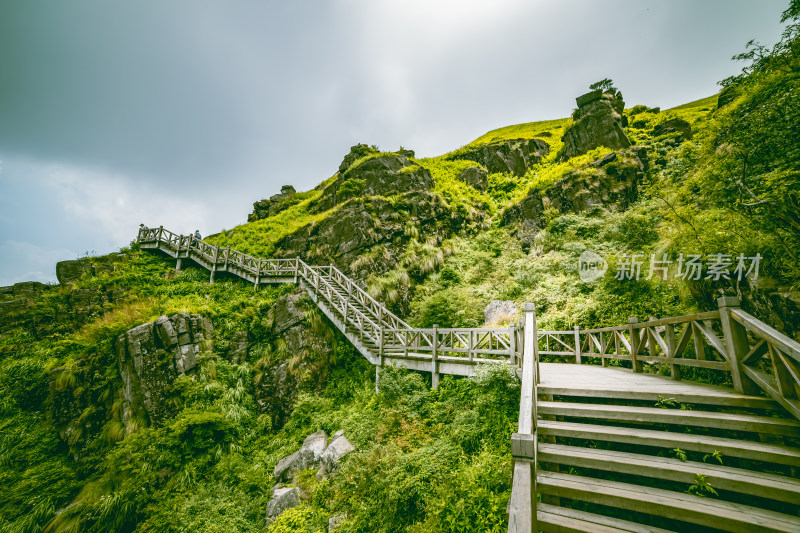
x: 674, y: 125
x: 356, y: 152
x: 237, y: 351
x: 610, y: 182
x: 277, y: 387
x: 476, y: 177
x: 384, y: 175
x: 499, y: 310
x: 307, y: 456
x: 361, y: 224
x: 513, y: 155
x: 274, y: 205
x: 597, y: 122
x: 152, y: 355
x: 69, y: 272
x: 283, y: 498
x: 16, y: 302
x: 330, y: 458
x: 315, y: 452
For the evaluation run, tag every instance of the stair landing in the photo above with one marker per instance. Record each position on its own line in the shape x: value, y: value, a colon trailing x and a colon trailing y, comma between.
x: 601, y: 382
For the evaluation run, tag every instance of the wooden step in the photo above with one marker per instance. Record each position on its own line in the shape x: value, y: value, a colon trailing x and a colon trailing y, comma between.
x: 719, y: 396
x: 755, y: 451
x: 680, y: 506
x: 626, y: 413
x: 551, y: 518
x: 764, y: 485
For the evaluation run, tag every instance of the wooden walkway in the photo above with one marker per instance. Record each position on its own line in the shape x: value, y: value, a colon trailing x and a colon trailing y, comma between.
x: 593, y: 400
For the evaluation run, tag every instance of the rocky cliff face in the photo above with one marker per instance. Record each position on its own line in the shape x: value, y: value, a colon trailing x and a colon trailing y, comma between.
x: 277, y: 387
x: 610, y: 182
x: 514, y: 155
x: 380, y: 176
x: 152, y: 355
x: 598, y: 122
x: 16, y: 302
x: 359, y: 225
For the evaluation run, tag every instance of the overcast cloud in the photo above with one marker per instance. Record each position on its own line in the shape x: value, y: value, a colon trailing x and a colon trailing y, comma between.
x: 184, y: 113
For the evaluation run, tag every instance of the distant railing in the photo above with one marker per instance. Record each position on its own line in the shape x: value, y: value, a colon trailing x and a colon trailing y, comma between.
x: 386, y: 333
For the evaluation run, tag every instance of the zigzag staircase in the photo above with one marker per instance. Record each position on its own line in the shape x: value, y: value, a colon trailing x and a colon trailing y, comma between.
x: 598, y: 449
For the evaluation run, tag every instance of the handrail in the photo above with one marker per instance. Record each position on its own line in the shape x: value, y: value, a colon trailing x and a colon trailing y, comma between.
x: 522, y: 507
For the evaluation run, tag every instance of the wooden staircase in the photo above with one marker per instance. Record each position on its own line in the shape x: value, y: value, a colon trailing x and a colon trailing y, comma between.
x: 598, y: 448
x: 613, y: 461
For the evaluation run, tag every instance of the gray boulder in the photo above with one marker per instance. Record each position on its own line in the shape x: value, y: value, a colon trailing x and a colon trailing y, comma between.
x: 338, y: 448
x: 286, y: 466
x: 335, y: 521
x: 68, y: 272
x: 307, y: 456
x: 152, y: 355
x: 476, y: 177
x: 597, y: 122
x: 283, y: 498
x: 498, y: 310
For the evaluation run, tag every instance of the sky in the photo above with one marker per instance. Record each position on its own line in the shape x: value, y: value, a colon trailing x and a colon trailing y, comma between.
x: 184, y: 113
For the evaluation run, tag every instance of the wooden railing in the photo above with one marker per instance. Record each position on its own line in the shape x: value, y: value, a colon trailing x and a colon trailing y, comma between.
x: 380, y: 332
x: 524, y: 443
x: 754, y: 355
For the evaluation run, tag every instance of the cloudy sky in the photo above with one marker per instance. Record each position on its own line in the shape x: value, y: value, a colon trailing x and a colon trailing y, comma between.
x: 184, y: 113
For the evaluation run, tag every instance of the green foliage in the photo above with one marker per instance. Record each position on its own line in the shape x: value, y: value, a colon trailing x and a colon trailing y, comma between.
x: 605, y: 85
x: 297, y: 519
x: 701, y: 487
x: 680, y: 454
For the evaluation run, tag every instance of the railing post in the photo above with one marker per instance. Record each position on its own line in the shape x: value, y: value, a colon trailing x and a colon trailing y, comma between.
x: 512, y: 344
x: 296, y: 268
x: 737, y: 345
x: 158, y: 240
x: 316, y: 282
x: 577, y: 333
x: 635, y: 341
x: 669, y: 331
x: 434, y: 363
x: 471, y: 347
x: 214, y: 263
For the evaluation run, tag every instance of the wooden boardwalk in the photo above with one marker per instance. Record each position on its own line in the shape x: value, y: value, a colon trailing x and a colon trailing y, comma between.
x: 597, y: 381
x: 594, y: 400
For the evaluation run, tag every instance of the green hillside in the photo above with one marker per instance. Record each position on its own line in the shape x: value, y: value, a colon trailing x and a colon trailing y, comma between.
x: 504, y: 217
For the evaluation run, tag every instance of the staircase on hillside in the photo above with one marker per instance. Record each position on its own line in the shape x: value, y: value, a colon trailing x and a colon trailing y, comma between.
x: 598, y: 449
